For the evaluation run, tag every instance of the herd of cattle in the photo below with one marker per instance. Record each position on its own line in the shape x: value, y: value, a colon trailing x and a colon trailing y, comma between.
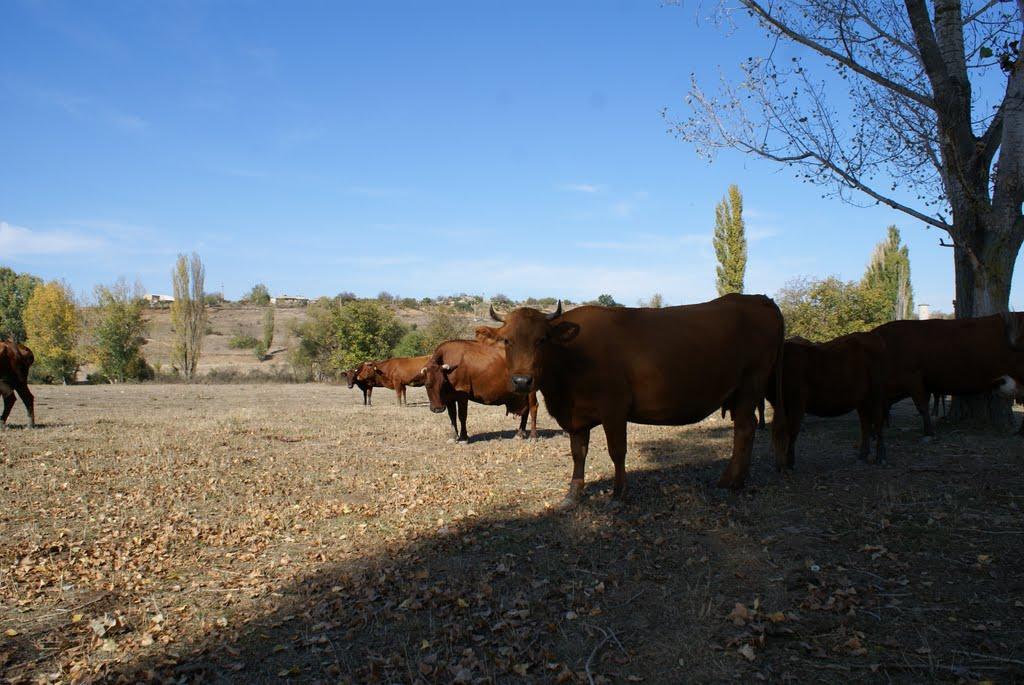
x: 677, y: 365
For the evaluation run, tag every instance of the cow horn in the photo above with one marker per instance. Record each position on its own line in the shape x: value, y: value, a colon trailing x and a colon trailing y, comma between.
x: 558, y: 311
x: 446, y: 367
x: 496, y: 316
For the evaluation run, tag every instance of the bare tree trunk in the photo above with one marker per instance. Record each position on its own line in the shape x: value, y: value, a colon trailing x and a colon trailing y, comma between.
x: 984, y: 274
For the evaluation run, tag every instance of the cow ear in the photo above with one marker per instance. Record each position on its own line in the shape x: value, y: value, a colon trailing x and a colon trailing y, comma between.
x: 485, y: 333
x: 564, y: 332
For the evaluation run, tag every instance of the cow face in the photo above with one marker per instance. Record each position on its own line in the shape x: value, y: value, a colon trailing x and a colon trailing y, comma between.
x: 350, y: 377
x: 527, y: 336
x: 435, y: 382
x: 365, y: 373
x: 1008, y: 386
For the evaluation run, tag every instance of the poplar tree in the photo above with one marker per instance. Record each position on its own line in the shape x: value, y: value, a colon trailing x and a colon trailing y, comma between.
x: 889, y: 272
x: 730, y: 243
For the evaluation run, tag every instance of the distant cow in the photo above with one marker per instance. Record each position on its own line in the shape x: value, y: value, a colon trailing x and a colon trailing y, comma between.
x: 670, y: 366
x: 951, y: 357
x: 15, y: 361
x: 461, y: 371
x: 365, y: 377
x: 831, y: 379
x: 397, y: 373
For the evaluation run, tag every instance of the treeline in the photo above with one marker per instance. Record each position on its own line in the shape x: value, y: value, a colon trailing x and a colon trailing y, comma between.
x: 64, y: 335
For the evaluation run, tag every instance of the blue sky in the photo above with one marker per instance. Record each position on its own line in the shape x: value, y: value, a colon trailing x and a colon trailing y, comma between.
x: 419, y: 148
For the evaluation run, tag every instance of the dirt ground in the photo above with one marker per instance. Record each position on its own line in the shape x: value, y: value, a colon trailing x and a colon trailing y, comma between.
x: 272, y: 533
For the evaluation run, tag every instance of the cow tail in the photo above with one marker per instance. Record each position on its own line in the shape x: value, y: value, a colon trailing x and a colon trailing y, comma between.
x: 780, y: 436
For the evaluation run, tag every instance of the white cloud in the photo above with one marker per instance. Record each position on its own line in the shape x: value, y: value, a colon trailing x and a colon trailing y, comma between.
x: 16, y: 241
x: 582, y: 187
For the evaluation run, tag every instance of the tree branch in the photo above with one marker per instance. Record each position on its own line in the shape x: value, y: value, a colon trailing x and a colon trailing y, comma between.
x: 909, y: 93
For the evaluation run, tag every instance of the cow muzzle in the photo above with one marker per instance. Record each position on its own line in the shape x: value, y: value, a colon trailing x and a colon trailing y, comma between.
x: 1009, y: 387
x: 522, y: 383
x: 437, y: 410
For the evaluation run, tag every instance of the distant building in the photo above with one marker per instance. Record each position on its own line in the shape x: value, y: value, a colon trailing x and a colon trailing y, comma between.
x: 924, y: 312
x: 154, y: 299
x: 289, y: 301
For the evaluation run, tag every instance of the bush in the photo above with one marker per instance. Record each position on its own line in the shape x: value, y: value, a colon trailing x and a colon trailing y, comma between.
x: 335, y: 337
x: 259, y: 294
x: 343, y: 297
x: 821, y: 310
x: 214, y: 299
x: 501, y: 300
x: 413, y: 344
x: 410, y: 303
x: 606, y: 300
x: 120, y: 334
x: 243, y: 341
x: 384, y: 297
x: 15, y: 291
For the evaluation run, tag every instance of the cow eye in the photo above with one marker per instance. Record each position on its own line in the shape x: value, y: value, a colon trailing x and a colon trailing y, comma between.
x: 541, y: 340
x: 506, y: 342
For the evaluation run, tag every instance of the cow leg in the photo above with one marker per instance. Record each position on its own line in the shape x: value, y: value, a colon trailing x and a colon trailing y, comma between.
x: 866, y: 426
x: 451, y: 417
x: 921, y: 402
x: 615, y: 434
x: 742, y: 444
x: 579, y: 445
x: 30, y: 402
x: 365, y: 397
x: 463, y: 410
x: 532, y: 399
x: 521, y: 433
x: 8, y: 405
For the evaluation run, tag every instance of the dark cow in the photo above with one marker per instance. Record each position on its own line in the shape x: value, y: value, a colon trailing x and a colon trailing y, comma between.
x: 671, y: 366
x: 366, y: 378
x: 951, y: 357
x: 831, y: 379
x: 938, y: 398
x: 15, y: 361
x: 396, y: 373
x: 464, y: 370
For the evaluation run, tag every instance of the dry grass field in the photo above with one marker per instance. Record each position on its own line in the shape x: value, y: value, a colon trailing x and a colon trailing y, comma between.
x: 271, y: 533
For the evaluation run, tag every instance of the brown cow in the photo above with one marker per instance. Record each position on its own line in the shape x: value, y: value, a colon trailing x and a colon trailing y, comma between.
x: 831, y: 379
x: 398, y: 373
x: 464, y: 370
x: 15, y: 361
x: 365, y: 377
x: 670, y: 366
x: 952, y: 357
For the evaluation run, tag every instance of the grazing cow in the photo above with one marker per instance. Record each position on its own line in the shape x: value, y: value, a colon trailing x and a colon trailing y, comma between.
x: 366, y: 378
x: 671, y: 366
x: 15, y: 361
x: 951, y: 357
x: 831, y: 379
x: 398, y: 373
x: 464, y: 370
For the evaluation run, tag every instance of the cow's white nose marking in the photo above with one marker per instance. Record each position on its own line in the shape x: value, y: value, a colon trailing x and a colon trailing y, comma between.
x: 1008, y: 386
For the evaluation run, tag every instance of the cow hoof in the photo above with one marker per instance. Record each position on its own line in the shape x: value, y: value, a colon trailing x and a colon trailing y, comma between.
x: 568, y: 503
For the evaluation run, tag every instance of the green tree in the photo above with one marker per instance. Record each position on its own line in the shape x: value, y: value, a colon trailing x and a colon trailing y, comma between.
x: 52, y: 326
x: 259, y: 294
x: 188, y: 313
x: 120, y: 333
x: 443, y: 324
x: 413, y: 344
x: 606, y: 300
x: 335, y: 337
x: 889, y: 272
x: 730, y: 243
x: 656, y: 301
x: 15, y: 290
x: 821, y: 310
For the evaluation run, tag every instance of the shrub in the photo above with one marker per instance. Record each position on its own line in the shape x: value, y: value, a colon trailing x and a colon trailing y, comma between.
x: 606, y: 300
x: 413, y: 344
x: 821, y: 310
x: 243, y: 341
x: 259, y: 294
x: 15, y: 291
x: 120, y: 334
x: 335, y: 337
